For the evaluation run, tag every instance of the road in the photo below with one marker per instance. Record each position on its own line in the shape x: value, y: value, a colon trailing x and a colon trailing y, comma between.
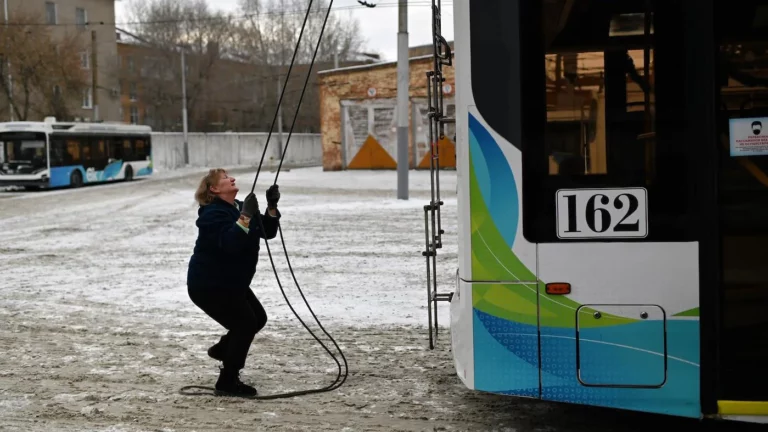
x: 98, y: 333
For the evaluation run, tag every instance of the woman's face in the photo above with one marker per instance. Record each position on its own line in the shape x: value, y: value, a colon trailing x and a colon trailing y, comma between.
x: 226, y: 186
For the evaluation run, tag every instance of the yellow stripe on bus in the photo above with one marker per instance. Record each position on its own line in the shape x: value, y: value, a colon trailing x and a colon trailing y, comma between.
x: 742, y: 408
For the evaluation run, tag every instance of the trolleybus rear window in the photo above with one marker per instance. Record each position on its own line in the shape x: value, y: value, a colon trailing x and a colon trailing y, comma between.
x: 607, y: 113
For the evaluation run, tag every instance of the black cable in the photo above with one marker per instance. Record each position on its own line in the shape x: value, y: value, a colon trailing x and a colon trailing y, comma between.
x: 301, y: 97
x: 340, y: 377
x: 336, y: 384
x: 280, y: 228
x: 282, y: 92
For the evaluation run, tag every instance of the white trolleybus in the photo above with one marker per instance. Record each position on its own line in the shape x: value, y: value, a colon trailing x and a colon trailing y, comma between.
x: 56, y: 154
x: 612, y: 161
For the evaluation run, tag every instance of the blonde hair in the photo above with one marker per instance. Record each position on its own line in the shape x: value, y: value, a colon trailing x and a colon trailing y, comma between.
x: 203, y: 194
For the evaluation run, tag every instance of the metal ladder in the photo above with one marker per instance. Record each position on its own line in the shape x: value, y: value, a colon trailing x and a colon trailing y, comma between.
x: 437, y: 120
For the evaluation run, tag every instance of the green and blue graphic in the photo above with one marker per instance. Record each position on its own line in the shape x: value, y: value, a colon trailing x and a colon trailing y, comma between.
x: 525, y: 339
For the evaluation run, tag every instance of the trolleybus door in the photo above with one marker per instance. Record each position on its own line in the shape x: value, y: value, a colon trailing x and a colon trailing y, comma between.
x: 741, y: 29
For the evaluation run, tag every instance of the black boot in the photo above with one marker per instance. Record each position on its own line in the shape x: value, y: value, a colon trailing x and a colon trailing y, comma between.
x: 219, y: 351
x: 229, y: 384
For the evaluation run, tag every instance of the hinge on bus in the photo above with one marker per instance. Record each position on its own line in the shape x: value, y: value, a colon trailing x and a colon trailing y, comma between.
x: 433, y: 228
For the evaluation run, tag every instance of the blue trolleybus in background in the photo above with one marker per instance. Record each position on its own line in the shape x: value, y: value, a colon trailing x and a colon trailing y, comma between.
x: 55, y: 154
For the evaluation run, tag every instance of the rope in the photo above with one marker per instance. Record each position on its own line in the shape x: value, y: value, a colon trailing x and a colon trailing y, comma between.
x: 341, y: 377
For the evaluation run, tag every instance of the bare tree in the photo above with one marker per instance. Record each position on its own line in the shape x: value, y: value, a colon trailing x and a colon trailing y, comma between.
x: 47, y: 75
x: 270, y: 29
x: 267, y: 35
x: 166, y: 27
x: 235, y: 62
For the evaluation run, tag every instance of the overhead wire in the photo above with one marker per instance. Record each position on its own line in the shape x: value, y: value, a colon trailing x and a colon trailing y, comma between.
x: 221, y: 18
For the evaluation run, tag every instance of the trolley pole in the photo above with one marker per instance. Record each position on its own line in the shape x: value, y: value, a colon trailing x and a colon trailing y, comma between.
x: 403, y: 81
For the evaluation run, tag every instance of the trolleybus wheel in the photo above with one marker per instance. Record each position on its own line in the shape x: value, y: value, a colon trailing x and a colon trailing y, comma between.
x: 76, y: 179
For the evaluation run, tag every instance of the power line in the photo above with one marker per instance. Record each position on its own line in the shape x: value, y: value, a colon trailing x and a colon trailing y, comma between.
x: 223, y: 19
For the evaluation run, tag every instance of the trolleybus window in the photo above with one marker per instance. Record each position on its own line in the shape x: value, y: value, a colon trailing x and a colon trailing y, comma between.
x: 607, y: 114
x: 141, y: 151
x: 23, y: 152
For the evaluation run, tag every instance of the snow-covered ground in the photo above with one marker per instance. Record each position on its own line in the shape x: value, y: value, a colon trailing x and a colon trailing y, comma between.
x: 98, y: 333
x: 355, y: 248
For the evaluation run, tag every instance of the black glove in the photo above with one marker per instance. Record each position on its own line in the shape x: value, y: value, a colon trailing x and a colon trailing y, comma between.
x: 250, y: 206
x: 273, y: 196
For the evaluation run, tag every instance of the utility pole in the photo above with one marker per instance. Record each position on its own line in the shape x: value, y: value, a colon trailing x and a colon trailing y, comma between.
x: 94, y: 77
x: 8, y: 58
x: 184, y: 103
x: 403, y: 81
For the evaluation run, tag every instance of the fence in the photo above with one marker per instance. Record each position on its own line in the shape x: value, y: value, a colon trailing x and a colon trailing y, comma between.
x: 233, y: 149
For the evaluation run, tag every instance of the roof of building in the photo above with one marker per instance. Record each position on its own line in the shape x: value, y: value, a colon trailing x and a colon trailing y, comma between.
x: 373, y: 65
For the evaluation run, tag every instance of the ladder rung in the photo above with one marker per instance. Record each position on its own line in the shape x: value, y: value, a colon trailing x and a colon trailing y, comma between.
x: 446, y: 297
x: 448, y: 120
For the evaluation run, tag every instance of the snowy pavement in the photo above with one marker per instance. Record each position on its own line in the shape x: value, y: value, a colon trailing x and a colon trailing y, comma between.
x: 98, y: 332
x: 129, y: 244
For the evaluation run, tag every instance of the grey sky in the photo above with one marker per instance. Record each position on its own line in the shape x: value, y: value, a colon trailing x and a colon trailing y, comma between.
x: 378, y: 25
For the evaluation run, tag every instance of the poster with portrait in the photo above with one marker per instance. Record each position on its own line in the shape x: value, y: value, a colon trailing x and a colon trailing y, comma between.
x: 749, y: 136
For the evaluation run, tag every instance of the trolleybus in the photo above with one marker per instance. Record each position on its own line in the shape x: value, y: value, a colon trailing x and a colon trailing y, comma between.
x: 612, y: 162
x: 55, y: 154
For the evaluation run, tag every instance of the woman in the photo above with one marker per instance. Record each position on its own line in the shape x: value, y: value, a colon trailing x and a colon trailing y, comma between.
x: 222, y: 267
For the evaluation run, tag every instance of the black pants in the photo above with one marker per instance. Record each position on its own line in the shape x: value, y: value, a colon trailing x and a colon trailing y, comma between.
x: 238, y: 311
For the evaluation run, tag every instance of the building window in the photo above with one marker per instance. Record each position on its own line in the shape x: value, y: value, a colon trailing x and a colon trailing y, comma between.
x: 81, y: 18
x: 147, y: 116
x: 50, y: 13
x: 85, y: 60
x: 56, y: 91
x: 134, y: 115
x: 133, y: 92
x: 131, y: 65
x: 88, y: 98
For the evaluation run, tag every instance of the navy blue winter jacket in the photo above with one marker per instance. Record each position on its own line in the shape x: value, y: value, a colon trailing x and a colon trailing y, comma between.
x: 225, y: 255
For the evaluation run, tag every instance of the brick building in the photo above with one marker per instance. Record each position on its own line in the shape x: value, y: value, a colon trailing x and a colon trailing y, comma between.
x: 358, y: 118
